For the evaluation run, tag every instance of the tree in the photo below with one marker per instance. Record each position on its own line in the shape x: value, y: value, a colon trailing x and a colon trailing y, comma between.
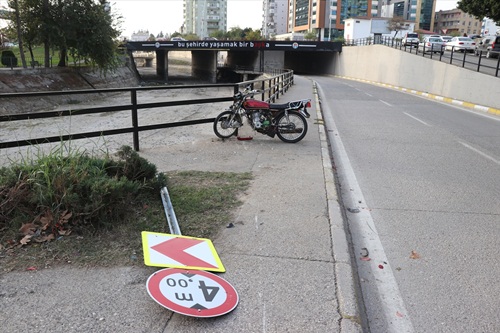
x: 84, y: 28
x: 396, y: 24
x: 235, y: 33
x: 17, y: 19
x: 310, y: 35
x: 87, y: 33
x: 481, y: 9
x: 219, y: 34
x: 253, y: 35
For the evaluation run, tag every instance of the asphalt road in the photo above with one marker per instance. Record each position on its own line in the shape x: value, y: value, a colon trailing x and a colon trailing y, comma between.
x: 429, y: 173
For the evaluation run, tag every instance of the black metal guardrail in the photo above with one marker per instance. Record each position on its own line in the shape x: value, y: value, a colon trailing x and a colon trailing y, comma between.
x: 456, y: 55
x: 12, y: 62
x: 271, y: 88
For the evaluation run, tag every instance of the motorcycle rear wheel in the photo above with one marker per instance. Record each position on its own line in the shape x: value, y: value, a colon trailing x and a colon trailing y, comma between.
x: 291, y: 129
x: 224, y: 125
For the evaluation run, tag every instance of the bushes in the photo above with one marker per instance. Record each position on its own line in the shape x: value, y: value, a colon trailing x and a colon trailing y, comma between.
x: 9, y: 59
x: 57, y: 194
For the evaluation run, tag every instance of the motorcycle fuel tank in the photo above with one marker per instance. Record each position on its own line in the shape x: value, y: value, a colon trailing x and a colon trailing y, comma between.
x: 253, y: 104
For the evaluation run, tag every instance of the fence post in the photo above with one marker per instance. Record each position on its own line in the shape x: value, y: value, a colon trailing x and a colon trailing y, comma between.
x: 135, y: 121
x: 274, y: 89
x: 278, y: 92
x: 270, y: 90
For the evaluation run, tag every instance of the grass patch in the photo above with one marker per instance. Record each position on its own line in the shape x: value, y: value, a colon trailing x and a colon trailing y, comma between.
x: 203, y: 202
x: 39, y: 56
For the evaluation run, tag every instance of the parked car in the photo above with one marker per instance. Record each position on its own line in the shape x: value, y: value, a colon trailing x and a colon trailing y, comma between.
x: 489, y: 46
x: 446, y: 39
x: 410, y: 39
x: 461, y: 44
x: 432, y: 45
x: 177, y: 39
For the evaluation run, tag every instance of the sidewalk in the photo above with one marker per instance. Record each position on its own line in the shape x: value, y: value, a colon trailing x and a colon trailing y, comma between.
x: 286, y: 255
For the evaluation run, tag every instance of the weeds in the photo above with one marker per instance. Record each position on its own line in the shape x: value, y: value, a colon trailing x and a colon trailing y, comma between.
x: 68, y: 207
x: 59, y: 193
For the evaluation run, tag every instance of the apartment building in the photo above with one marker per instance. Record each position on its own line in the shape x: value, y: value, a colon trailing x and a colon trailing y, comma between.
x: 419, y: 11
x: 327, y: 17
x: 456, y: 21
x: 203, y: 17
x: 275, y: 15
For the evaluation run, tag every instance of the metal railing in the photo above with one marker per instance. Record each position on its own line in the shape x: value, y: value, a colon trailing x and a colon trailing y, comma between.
x: 453, y: 55
x: 12, y: 62
x: 271, y: 88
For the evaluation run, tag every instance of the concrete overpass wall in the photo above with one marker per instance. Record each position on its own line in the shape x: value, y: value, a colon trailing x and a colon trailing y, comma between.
x: 310, y: 62
x: 383, y: 64
x: 249, y: 59
x: 204, y: 65
x: 273, y: 59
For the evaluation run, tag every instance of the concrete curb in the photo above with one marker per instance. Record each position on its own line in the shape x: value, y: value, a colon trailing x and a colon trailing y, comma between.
x: 350, y: 318
x: 448, y: 100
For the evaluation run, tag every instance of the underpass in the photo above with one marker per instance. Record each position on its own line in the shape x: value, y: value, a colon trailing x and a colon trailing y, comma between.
x: 259, y: 56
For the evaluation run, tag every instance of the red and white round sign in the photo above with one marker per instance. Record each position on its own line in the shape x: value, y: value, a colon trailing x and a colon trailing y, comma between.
x: 192, y: 293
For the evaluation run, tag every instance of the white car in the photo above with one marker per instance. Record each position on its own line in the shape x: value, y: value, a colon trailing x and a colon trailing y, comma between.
x: 446, y: 39
x: 432, y: 45
x: 461, y: 44
x: 410, y: 39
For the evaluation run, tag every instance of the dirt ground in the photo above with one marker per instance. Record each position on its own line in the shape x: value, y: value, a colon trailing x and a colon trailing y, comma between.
x: 36, y: 128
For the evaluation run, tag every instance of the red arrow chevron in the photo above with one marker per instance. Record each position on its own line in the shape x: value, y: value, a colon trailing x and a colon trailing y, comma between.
x: 174, y: 249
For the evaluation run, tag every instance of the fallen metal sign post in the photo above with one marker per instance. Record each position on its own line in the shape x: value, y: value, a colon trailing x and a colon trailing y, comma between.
x: 169, y: 212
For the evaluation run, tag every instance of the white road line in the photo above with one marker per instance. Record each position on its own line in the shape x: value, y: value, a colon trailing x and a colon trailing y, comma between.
x: 368, y: 94
x: 364, y: 235
x: 423, y: 122
x: 480, y: 153
x: 385, y: 103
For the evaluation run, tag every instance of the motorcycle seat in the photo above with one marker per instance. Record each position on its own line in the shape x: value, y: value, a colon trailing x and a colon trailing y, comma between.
x: 279, y: 106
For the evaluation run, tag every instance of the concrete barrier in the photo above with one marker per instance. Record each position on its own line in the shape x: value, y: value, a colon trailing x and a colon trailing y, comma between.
x: 382, y: 64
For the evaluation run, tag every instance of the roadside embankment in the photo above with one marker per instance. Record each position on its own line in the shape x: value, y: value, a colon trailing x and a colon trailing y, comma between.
x: 56, y: 79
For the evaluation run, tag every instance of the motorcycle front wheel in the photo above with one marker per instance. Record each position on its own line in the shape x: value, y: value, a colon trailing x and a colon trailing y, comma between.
x: 291, y: 128
x: 225, y: 125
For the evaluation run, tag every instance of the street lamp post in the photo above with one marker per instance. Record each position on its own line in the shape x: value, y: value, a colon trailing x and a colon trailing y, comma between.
x: 330, y: 21
x: 330, y: 24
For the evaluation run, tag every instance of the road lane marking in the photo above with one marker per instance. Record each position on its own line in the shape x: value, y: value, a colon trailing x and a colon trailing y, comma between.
x: 446, y: 100
x: 480, y: 152
x: 385, y: 103
x: 423, y: 122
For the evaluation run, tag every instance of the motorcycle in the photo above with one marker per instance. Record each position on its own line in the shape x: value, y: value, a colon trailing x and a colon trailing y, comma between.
x: 287, y: 121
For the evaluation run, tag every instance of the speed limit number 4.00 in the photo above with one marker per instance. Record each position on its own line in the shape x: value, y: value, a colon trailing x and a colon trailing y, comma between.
x: 192, y: 293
